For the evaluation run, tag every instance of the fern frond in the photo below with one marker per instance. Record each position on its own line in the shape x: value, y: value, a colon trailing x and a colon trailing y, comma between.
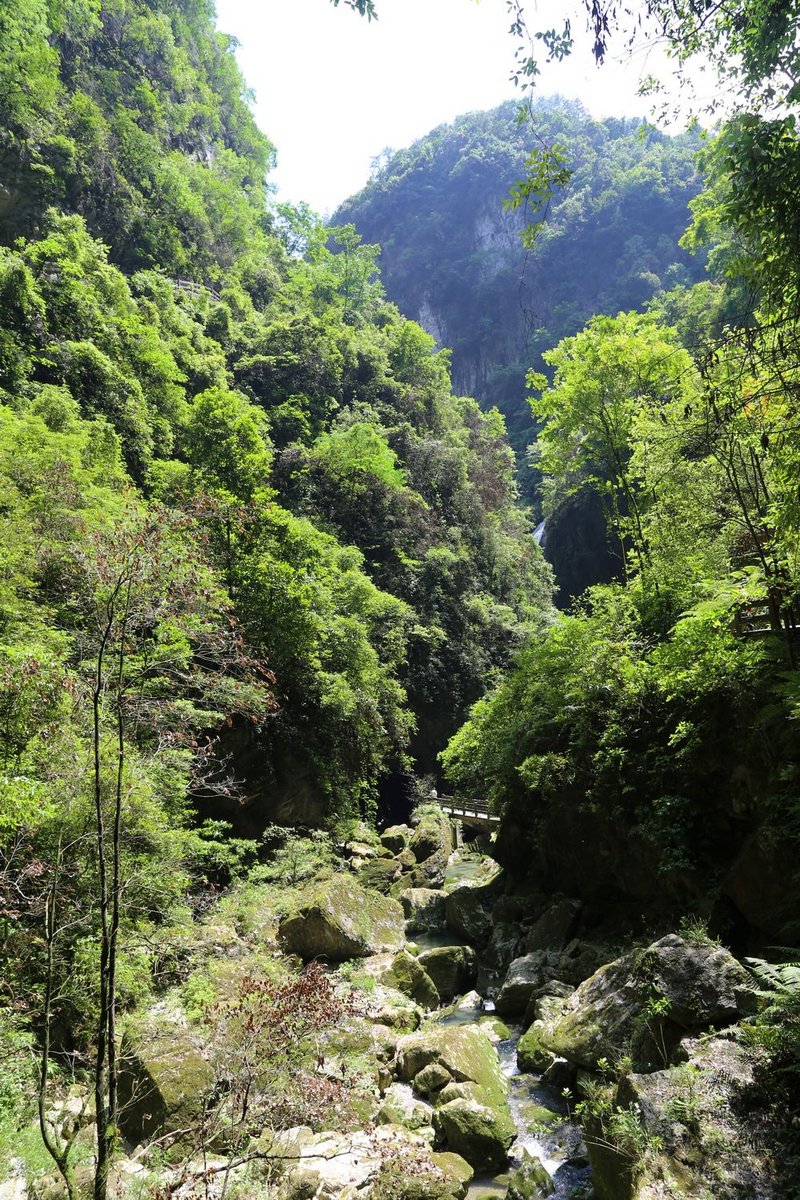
x: 776, y: 977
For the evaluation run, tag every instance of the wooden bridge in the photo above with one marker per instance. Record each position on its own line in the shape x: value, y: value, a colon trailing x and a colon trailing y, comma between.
x: 763, y: 618
x: 194, y: 289
x: 471, y: 812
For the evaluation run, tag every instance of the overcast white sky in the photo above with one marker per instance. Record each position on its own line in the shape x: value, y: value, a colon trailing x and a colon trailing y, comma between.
x: 333, y: 90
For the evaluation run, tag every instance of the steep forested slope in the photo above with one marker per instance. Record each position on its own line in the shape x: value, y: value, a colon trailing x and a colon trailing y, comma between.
x: 135, y: 117
x: 254, y: 555
x: 453, y: 259
x: 251, y: 547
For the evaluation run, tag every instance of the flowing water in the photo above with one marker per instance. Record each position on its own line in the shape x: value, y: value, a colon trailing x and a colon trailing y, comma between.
x: 540, y: 1114
x: 463, y: 869
x: 544, y: 1131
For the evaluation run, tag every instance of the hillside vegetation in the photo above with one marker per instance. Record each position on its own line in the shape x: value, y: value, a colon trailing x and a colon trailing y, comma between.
x: 261, y: 570
x: 251, y: 543
x: 454, y: 259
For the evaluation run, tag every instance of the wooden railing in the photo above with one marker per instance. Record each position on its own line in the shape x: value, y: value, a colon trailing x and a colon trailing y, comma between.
x: 760, y: 619
x: 192, y: 288
x: 471, y: 810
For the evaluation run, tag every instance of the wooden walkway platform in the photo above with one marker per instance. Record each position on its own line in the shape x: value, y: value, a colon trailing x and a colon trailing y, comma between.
x: 762, y: 619
x: 195, y: 289
x: 475, y: 812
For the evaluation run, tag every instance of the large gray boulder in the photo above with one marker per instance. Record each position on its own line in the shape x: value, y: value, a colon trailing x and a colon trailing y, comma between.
x: 642, y: 1003
x: 523, y: 978
x: 479, y: 1133
x: 453, y: 969
x: 555, y: 926
x: 468, y: 911
x: 339, y: 920
x: 529, y: 975
x: 423, y: 908
x: 164, y: 1076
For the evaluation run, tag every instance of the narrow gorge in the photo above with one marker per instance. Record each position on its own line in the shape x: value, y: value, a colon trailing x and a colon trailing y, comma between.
x: 399, y: 789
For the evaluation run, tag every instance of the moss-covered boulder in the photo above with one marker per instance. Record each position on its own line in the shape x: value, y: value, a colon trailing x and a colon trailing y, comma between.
x: 433, y: 833
x: 381, y: 873
x: 479, y: 1133
x: 164, y: 1076
x: 409, y: 977
x: 423, y: 908
x: 464, y: 1050
x: 532, y: 1054
x: 430, y: 873
x: 530, y: 1181
x: 401, y: 1107
x: 362, y: 850
x: 339, y: 920
x: 643, y: 1003
x: 396, y: 838
x: 395, y: 1011
x: 432, y: 1078
x: 454, y: 1167
x: 494, y: 1028
x: 466, y: 1090
x: 453, y: 969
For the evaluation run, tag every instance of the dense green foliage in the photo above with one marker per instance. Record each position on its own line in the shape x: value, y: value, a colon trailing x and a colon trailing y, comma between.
x: 135, y: 117
x: 665, y: 705
x: 255, y: 555
x: 251, y: 544
x: 452, y: 258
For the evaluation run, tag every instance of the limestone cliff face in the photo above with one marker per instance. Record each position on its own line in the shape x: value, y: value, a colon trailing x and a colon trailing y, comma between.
x: 487, y: 347
x: 452, y: 257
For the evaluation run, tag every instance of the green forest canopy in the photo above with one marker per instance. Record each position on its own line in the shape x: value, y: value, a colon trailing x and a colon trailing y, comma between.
x: 452, y: 249
x: 238, y: 497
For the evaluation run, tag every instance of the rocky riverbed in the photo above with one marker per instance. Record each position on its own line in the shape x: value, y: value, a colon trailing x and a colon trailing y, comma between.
x: 477, y: 1043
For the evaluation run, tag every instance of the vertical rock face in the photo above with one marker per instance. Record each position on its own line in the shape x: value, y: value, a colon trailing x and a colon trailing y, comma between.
x: 452, y: 257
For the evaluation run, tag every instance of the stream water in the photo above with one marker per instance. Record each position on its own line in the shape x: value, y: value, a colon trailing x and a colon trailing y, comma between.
x: 540, y: 1114
x: 544, y: 1130
x: 462, y: 869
